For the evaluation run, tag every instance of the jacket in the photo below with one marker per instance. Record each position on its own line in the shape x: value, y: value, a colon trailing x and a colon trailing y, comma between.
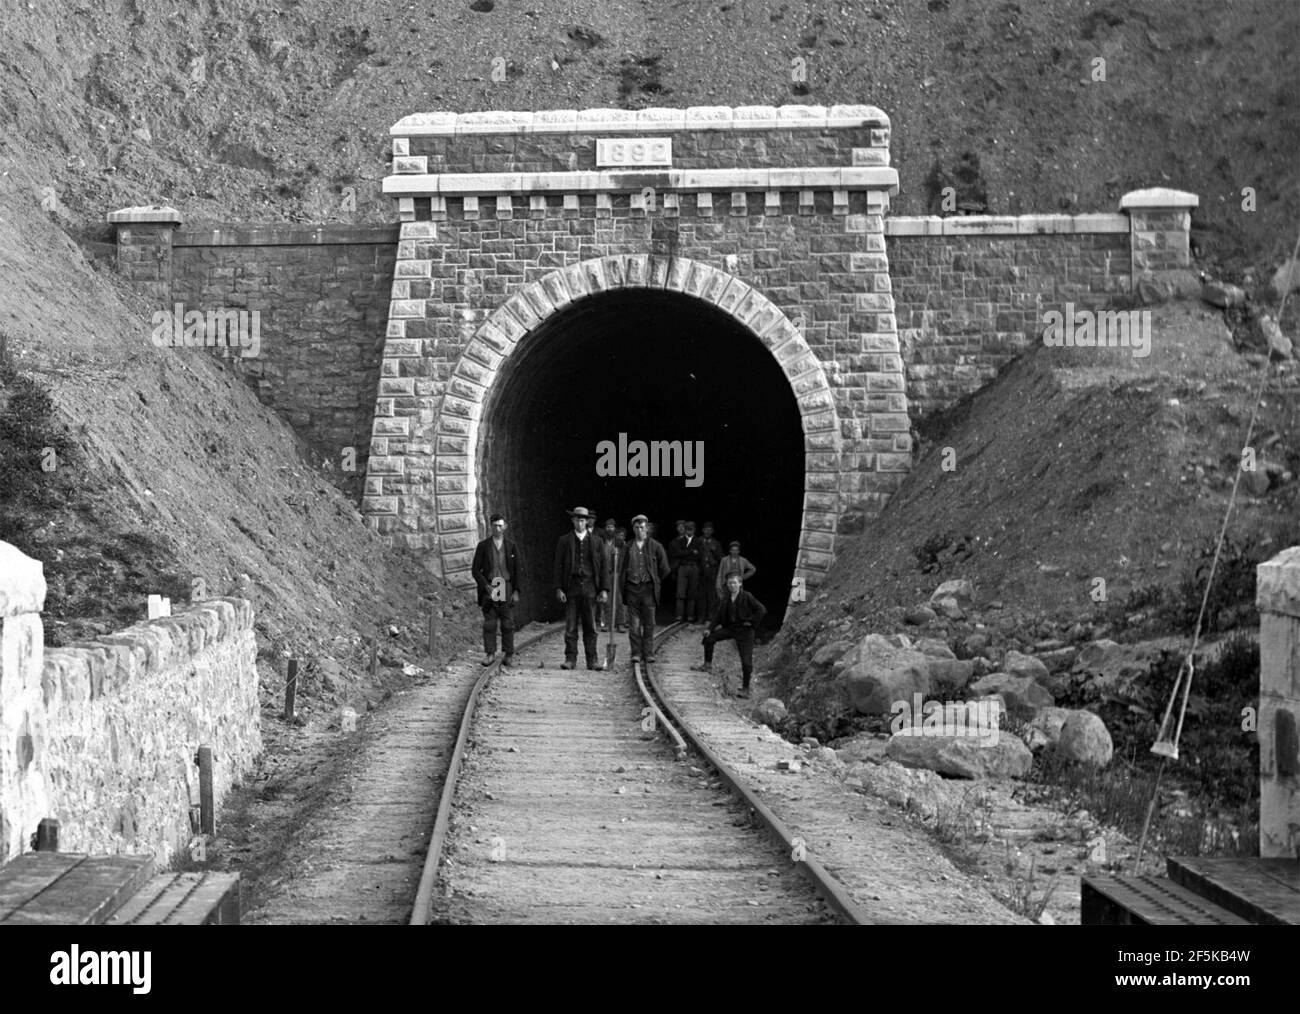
x: 657, y: 562
x: 748, y: 608
x: 566, y: 559
x: 711, y: 553
x: 482, y: 567
x: 680, y: 555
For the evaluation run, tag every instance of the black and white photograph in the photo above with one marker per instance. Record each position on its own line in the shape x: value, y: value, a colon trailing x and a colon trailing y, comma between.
x: 647, y: 462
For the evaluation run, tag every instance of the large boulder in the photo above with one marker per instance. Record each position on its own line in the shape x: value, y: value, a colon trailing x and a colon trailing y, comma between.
x: 770, y: 712
x: 829, y: 653
x: 865, y: 747
x: 1022, y: 696
x: 1019, y: 664
x: 963, y: 756
x: 1044, y: 729
x: 959, y: 589
x: 883, y: 674
x: 950, y: 608
x: 934, y: 648
x: 949, y: 675
x: 1084, y: 738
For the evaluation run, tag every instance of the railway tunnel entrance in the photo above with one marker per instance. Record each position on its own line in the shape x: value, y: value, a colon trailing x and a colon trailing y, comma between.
x: 561, y: 425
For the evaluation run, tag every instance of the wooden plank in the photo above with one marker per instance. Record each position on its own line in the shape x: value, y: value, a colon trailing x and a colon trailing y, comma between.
x: 87, y: 894
x: 1259, y: 894
x: 213, y: 902
x: 1147, y: 901
x: 25, y: 876
x: 184, y: 899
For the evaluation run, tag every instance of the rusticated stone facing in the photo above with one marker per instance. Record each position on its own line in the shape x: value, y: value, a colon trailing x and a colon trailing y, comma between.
x: 777, y: 220
x: 1278, y: 598
x: 102, y: 735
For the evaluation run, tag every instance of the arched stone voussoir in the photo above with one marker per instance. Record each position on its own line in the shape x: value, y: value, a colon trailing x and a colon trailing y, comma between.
x: 472, y: 386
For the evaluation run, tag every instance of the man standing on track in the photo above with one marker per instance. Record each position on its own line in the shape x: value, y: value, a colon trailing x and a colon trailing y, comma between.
x: 643, y: 566
x: 611, y: 613
x: 684, y: 557
x: 496, y: 571
x: 710, y: 556
x: 579, y: 582
x: 734, y: 563
x: 737, y: 617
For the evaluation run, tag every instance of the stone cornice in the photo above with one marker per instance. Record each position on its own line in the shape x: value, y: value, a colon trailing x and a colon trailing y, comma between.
x: 568, y: 121
x: 623, y: 181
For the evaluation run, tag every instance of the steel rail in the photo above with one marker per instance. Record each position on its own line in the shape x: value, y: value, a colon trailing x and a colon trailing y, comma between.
x: 825, y: 884
x: 422, y: 909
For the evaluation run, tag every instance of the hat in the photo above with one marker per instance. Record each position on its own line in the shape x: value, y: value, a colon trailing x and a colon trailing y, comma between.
x: 640, y: 517
x: 707, y: 524
x: 610, y: 521
x: 495, y: 518
x: 580, y: 512
x: 680, y: 522
x: 690, y: 526
x: 735, y: 544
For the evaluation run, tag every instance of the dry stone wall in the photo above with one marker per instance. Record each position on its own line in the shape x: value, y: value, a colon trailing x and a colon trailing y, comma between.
x: 103, y: 735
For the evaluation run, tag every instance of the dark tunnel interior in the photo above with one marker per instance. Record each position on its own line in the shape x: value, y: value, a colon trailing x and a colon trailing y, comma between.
x: 656, y: 366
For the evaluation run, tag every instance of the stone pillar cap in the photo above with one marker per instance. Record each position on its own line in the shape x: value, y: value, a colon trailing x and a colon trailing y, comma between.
x: 1277, y: 583
x: 22, y: 582
x: 145, y: 213
x: 1158, y: 197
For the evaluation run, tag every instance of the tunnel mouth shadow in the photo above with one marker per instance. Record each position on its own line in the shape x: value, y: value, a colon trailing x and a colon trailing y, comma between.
x: 561, y: 425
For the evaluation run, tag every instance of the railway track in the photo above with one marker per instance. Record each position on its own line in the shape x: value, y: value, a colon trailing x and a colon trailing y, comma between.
x: 577, y: 796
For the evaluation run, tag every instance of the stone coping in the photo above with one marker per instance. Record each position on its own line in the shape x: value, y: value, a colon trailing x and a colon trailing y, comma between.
x: 1005, y: 225
x: 569, y: 121
x: 1277, y: 584
x: 144, y: 213
x: 287, y: 235
x: 146, y: 647
x: 612, y: 181
x: 1159, y: 197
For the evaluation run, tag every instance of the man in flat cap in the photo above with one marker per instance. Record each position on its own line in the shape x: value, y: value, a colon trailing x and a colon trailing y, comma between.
x: 641, y: 570
x: 496, y: 571
x: 580, y: 581
x: 733, y: 563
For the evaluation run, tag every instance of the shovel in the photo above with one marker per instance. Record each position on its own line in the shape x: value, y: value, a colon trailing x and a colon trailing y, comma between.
x: 611, y: 649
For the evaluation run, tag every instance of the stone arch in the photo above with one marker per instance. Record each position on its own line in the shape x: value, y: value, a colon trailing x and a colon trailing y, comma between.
x: 473, y: 380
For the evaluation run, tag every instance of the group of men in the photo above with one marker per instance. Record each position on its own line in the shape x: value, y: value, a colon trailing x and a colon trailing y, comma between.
x: 621, y: 579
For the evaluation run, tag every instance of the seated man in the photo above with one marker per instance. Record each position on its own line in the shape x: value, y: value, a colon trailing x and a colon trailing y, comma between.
x: 736, y: 618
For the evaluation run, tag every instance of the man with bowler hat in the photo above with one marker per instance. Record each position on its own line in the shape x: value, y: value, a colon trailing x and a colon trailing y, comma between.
x: 643, y: 567
x: 580, y: 582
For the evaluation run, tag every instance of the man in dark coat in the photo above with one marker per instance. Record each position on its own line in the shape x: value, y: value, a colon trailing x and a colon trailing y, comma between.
x: 736, y: 618
x: 496, y: 571
x: 711, y: 553
x: 684, y: 558
x: 580, y: 580
x: 611, y: 613
x: 643, y: 565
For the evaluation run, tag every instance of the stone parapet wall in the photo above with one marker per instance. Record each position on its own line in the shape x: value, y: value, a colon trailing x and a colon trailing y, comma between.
x: 108, y: 730
x: 1277, y: 596
x: 970, y: 293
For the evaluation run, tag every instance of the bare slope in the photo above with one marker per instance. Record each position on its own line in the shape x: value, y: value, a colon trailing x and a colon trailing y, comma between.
x: 275, y: 109
x: 1074, y: 464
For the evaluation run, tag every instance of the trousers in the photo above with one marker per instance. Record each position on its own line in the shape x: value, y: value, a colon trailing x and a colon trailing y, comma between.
x: 579, y: 605
x: 641, y: 618
x: 744, y: 638
x: 688, y: 580
x: 504, y: 613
